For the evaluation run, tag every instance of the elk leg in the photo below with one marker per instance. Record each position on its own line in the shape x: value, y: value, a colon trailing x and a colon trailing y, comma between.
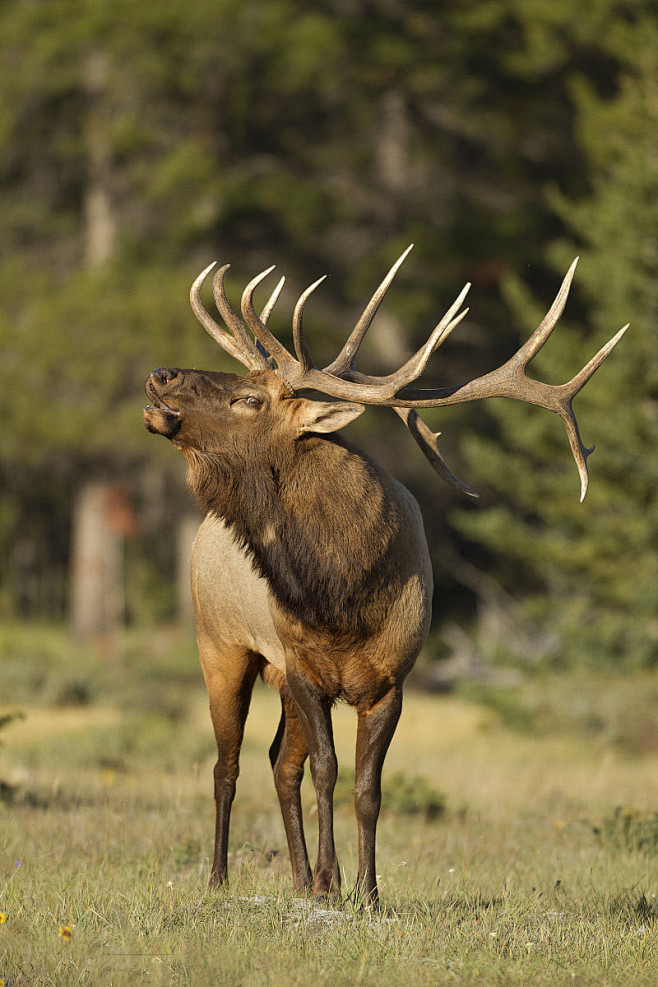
x: 374, y: 734
x: 314, y: 711
x: 288, y: 753
x: 230, y: 679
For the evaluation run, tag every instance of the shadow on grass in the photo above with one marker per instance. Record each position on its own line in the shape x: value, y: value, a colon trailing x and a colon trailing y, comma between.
x: 629, y: 907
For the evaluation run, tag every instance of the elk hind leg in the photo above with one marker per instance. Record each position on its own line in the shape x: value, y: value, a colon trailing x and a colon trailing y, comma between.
x: 375, y: 730
x: 288, y: 753
x: 230, y: 676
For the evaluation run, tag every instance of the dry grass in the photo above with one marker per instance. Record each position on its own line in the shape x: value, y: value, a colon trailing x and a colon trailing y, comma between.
x: 524, y: 879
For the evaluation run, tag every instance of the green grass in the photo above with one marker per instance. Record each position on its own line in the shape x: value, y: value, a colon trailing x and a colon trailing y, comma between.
x: 526, y: 873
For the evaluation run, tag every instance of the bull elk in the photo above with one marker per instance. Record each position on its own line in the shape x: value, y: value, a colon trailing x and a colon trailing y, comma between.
x: 311, y: 566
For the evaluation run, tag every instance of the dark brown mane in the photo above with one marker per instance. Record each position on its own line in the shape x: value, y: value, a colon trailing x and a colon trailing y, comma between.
x: 319, y: 525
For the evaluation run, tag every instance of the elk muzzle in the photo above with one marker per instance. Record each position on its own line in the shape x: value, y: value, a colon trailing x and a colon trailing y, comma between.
x: 159, y: 417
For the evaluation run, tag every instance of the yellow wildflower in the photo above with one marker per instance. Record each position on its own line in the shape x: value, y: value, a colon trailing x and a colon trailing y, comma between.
x: 3, y: 919
x: 66, y: 931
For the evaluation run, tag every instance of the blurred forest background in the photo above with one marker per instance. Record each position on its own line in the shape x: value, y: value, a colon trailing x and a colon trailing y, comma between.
x: 140, y: 141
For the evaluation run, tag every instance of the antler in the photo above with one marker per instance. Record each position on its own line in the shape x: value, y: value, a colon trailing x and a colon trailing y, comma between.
x: 341, y: 380
x: 237, y: 343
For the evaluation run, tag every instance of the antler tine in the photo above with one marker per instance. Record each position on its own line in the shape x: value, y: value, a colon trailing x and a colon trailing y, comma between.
x: 345, y: 358
x: 256, y: 359
x: 413, y: 368
x: 277, y: 350
x: 271, y: 301
x: 427, y: 440
x: 579, y: 450
x: 548, y: 323
x: 264, y: 317
x: 225, y: 340
x: 301, y: 346
x: 576, y: 384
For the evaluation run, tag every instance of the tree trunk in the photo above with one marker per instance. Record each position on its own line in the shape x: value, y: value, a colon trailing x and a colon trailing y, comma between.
x: 97, y: 590
x: 100, y: 228
x: 97, y: 580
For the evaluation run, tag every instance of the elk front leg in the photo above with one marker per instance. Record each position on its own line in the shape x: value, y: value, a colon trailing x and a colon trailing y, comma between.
x: 288, y: 753
x: 230, y: 679
x: 314, y: 711
x: 374, y: 734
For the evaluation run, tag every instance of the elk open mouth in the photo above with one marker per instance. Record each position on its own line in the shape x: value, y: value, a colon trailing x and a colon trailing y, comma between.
x: 159, y: 417
x: 158, y: 402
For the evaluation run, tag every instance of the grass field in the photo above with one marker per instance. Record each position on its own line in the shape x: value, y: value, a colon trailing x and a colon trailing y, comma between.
x: 542, y: 867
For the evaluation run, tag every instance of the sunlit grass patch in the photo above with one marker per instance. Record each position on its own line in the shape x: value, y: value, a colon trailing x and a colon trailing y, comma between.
x: 109, y: 833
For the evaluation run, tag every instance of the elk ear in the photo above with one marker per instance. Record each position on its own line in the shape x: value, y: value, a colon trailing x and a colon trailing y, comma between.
x: 325, y: 416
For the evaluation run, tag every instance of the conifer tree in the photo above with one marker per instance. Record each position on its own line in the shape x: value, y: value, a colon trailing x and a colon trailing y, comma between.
x: 591, y: 571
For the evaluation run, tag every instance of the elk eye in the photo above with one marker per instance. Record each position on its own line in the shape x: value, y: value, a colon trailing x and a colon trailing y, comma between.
x: 250, y: 400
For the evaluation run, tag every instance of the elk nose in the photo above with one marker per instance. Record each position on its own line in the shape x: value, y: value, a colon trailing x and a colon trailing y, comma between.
x: 164, y: 375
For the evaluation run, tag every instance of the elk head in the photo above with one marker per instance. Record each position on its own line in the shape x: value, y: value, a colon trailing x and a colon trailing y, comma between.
x: 210, y: 413
x: 203, y: 412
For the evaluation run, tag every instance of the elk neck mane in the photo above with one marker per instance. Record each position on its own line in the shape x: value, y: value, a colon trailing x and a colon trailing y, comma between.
x: 321, y: 522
